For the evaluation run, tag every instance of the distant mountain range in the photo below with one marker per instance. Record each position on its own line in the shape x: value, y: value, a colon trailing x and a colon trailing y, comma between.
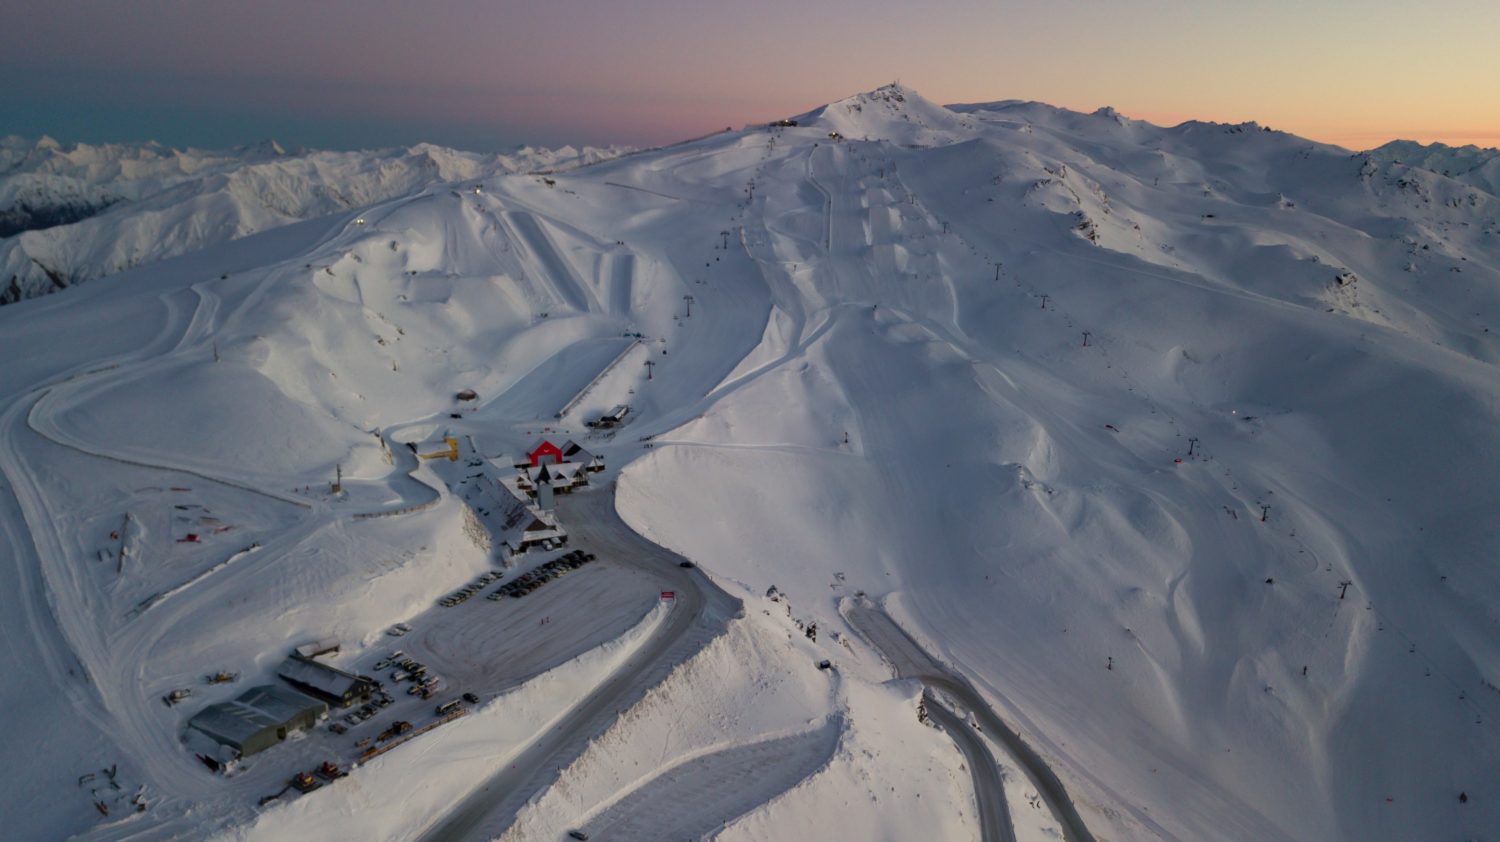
x: 1478, y: 166
x: 69, y: 214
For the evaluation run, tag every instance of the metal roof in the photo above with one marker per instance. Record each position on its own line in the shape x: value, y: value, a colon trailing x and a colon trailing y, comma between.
x: 318, y: 676
x: 256, y: 709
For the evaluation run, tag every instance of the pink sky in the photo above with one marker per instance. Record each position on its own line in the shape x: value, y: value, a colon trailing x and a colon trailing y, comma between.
x: 475, y: 73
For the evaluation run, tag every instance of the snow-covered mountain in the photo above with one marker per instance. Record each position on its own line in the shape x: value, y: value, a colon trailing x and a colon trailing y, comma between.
x: 1177, y: 443
x: 1474, y: 165
x: 70, y: 214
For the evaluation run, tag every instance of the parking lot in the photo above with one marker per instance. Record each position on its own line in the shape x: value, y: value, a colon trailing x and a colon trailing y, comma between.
x: 485, y: 646
x: 469, y: 652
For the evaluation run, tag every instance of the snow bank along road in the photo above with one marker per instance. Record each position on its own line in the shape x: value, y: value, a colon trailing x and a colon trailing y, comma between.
x: 700, y: 612
x: 910, y: 660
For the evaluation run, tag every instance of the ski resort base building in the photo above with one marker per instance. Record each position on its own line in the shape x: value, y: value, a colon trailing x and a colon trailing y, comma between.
x: 258, y: 719
x: 325, y: 682
x: 569, y: 470
x: 561, y: 478
x: 523, y: 526
x: 577, y: 454
x: 545, y: 452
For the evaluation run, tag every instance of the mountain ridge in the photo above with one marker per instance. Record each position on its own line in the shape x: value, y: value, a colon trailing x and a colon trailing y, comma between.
x: 1178, y: 445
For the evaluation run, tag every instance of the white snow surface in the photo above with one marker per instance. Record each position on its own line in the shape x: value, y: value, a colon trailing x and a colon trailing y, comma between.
x: 1105, y: 413
x: 1478, y: 166
x: 101, y: 209
x: 824, y: 758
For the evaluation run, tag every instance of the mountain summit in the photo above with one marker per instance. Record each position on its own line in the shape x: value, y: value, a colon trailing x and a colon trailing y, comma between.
x: 1164, y: 455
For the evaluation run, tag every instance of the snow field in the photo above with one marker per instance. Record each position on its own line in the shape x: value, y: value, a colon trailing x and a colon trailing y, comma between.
x: 757, y: 686
x: 137, y: 204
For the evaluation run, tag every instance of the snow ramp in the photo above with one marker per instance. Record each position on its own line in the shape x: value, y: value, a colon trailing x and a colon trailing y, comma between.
x: 548, y: 265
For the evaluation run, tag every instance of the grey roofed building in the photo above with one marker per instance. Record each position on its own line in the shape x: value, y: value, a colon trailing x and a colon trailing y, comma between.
x: 258, y: 718
x: 575, y: 452
x: 562, y: 477
x: 325, y: 682
x: 523, y: 526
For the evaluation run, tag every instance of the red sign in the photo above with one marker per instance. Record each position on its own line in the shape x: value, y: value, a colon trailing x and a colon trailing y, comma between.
x: 669, y: 594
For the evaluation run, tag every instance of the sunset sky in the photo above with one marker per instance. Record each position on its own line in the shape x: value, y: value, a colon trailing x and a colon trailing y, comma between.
x: 488, y: 75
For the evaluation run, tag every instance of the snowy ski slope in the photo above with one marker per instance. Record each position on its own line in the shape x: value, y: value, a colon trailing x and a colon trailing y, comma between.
x: 1177, y: 443
x: 70, y: 214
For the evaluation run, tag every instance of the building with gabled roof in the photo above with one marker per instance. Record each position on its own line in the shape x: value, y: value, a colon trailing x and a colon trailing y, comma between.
x: 564, y: 476
x: 326, y: 682
x: 258, y: 718
x: 523, y: 526
x: 543, y: 449
x: 575, y: 452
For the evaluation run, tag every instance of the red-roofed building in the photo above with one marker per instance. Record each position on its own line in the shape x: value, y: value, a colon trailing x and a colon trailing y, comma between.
x: 543, y: 450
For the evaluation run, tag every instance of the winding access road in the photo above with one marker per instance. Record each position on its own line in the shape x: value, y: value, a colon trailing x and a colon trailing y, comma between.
x: 995, y: 824
x: 910, y: 660
x: 700, y: 612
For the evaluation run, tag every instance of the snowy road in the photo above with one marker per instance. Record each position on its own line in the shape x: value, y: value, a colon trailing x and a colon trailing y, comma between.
x: 699, y: 614
x: 911, y: 661
x: 995, y: 824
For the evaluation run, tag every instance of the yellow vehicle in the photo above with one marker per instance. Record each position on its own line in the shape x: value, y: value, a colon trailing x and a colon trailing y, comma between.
x: 451, y: 454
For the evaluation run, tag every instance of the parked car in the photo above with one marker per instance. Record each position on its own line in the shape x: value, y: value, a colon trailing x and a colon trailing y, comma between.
x: 471, y: 698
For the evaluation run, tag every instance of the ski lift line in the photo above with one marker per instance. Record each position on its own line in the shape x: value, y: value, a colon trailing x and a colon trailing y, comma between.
x: 657, y: 193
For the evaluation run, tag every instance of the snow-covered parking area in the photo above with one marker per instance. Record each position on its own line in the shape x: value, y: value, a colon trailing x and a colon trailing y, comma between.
x: 482, y: 646
x: 485, y: 646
